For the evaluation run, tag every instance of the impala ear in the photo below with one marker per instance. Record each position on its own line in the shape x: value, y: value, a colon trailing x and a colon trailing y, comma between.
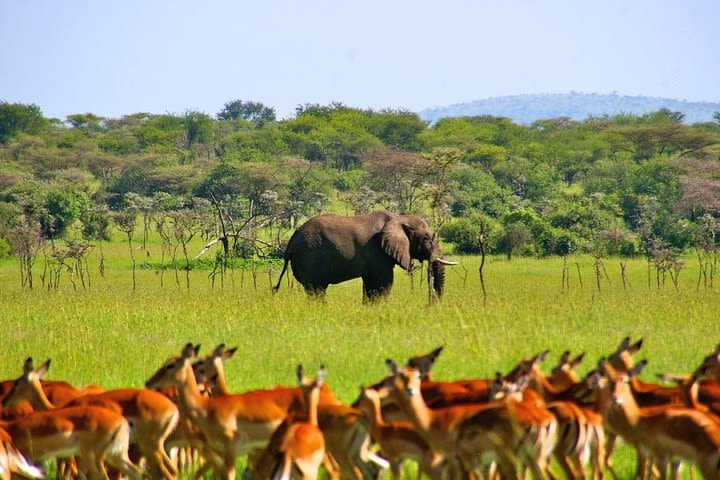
x: 190, y: 351
x: 395, y: 242
x: 565, y: 358
x: 638, y: 368
x: 43, y: 369
x: 219, y: 350
x: 228, y: 354
x: 28, y: 365
x: 540, y: 357
x: 299, y: 373
x: 320, y: 376
x: 393, y: 366
x: 636, y: 346
x: 577, y: 360
x: 425, y: 362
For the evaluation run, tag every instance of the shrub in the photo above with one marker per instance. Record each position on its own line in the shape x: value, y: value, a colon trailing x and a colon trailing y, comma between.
x: 464, y: 233
x: 4, y: 249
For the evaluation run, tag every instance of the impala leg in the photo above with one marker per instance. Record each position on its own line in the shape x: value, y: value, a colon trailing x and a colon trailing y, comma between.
x: 331, y: 467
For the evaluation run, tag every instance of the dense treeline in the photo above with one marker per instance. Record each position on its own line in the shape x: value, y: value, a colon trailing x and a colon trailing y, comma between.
x: 621, y: 185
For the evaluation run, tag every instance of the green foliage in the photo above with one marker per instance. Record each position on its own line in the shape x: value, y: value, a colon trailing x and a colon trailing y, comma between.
x: 88, y: 122
x: 396, y: 128
x: 464, y: 233
x: 574, y: 181
x: 17, y: 117
x: 478, y: 191
x: 4, y: 249
x: 61, y: 209
x: 199, y: 127
x: 254, y: 112
x: 259, y: 145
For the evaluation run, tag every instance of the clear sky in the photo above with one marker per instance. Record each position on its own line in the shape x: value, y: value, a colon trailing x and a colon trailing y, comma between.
x: 118, y: 57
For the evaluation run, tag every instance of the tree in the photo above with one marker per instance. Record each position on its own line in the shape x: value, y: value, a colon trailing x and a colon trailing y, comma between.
x: 86, y: 121
x: 398, y: 129
x: 17, y: 117
x: 515, y: 237
x: 398, y: 178
x: 254, y: 112
x: 198, y: 128
x: 62, y: 208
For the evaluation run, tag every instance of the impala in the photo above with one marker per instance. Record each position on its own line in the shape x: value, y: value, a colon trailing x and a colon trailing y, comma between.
x: 665, y: 434
x: 346, y: 437
x: 398, y: 440
x: 12, y: 461
x: 298, y: 443
x: 230, y: 424
x: 95, y: 435
x: 464, y: 433
x: 152, y: 415
x: 581, y: 429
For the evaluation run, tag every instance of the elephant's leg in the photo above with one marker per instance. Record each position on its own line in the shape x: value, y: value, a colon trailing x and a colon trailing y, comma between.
x: 316, y: 291
x: 377, y: 284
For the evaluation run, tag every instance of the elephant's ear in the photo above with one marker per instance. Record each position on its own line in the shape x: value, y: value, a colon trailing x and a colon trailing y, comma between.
x: 396, y: 243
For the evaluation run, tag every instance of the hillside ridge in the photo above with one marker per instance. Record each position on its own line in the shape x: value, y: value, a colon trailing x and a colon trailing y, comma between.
x: 528, y: 108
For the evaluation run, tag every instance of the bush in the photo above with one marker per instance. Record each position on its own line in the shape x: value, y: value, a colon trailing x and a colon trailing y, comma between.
x: 4, y: 249
x: 464, y: 233
x: 62, y: 208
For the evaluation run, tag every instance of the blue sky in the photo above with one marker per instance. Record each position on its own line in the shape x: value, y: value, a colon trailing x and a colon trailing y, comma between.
x: 125, y: 56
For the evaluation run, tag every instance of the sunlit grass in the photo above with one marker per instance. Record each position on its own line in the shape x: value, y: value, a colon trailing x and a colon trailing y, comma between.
x: 112, y: 336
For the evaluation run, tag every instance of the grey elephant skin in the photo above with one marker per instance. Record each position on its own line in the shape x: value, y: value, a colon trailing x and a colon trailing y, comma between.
x: 329, y: 249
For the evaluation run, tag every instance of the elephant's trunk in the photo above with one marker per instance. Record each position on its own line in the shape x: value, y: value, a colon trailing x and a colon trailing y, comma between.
x: 438, y: 273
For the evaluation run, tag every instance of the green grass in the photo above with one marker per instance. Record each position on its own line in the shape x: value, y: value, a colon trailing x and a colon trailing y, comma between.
x: 112, y: 336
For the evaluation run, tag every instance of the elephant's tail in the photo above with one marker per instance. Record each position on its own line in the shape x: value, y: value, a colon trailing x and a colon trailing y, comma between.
x: 277, y: 287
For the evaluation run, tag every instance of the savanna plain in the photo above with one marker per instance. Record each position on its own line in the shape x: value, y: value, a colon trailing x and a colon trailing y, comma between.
x: 110, y: 335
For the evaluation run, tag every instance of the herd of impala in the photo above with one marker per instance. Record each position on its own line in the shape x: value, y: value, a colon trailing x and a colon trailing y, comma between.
x: 504, y: 427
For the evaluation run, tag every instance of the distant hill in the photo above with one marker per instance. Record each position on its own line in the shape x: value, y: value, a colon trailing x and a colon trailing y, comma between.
x: 528, y: 108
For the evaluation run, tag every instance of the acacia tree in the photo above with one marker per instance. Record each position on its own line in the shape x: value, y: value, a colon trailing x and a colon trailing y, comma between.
x: 439, y: 186
x: 398, y: 178
x: 254, y: 112
x: 126, y: 221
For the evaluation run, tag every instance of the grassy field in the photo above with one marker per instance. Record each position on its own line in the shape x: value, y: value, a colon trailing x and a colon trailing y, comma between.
x: 112, y: 336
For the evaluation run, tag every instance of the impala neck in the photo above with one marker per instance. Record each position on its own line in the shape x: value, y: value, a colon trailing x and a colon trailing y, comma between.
x: 416, y: 409
x: 376, y: 419
x: 191, y: 401
x: 543, y: 385
x: 312, y: 406
x: 221, y: 387
x: 39, y: 400
x: 621, y: 416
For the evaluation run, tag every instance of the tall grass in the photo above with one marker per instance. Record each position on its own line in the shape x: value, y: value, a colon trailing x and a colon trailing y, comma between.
x: 112, y: 336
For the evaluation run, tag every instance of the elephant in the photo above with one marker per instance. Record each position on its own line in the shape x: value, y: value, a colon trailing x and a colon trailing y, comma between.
x: 330, y: 249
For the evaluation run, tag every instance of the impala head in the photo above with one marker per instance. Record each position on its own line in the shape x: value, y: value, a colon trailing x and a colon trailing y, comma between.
x: 613, y: 385
x: 405, y: 380
x: 621, y: 359
x: 208, y: 368
x: 173, y: 372
x: 310, y: 387
x: 425, y: 362
x: 563, y: 374
x: 711, y: 366
x: 528, y: 366
x: 370, y: 400
x: 311, y: 383
x: 27, y: 386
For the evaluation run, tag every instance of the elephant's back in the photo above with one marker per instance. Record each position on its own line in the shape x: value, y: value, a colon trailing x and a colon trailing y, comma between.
x: 329, y: 249
x: 338, y: 231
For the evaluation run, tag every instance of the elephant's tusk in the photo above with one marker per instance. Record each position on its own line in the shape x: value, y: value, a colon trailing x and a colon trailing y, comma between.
x: 445, y: 262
